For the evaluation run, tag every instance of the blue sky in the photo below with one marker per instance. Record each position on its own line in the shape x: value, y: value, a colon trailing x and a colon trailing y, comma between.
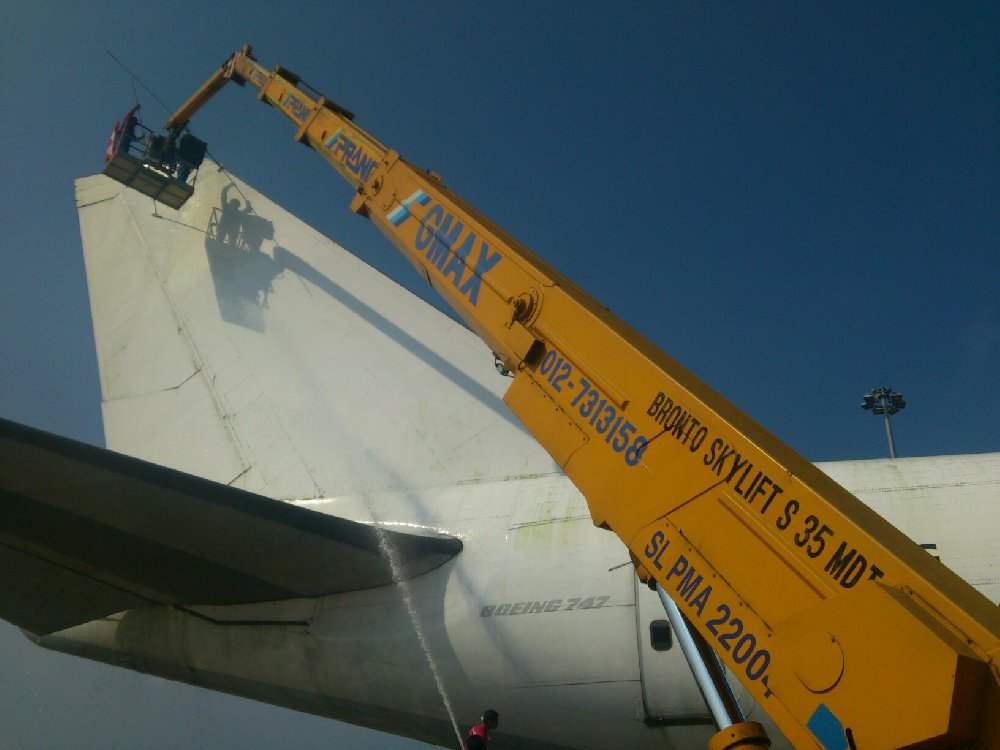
x: 799, y: 204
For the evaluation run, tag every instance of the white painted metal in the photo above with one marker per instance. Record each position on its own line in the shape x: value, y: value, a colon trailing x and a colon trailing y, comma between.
x: 243, y: 346
x: 950, y: 504
x: 239, y: 344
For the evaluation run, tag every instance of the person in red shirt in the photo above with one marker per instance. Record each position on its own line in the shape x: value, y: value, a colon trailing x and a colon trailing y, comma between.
x: 112, y: 142
x: 478, y: 737
x: 122, y: 134
x: 128, y: 133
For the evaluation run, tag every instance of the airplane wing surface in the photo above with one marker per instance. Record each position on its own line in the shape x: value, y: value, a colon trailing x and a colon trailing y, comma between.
x: 86, y: 532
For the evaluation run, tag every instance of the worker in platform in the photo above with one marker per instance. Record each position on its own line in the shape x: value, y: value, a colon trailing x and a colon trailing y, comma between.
x: 128, y: 126
x: 112, y: 142
x: 190, y: 154
x: 478, y: 737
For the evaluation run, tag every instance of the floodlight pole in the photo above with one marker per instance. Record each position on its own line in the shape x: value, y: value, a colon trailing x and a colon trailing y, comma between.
x: 886, y: 402
x: 888, y: 434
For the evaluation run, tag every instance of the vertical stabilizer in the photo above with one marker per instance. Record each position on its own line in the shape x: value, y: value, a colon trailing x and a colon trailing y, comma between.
x: 237, y: 343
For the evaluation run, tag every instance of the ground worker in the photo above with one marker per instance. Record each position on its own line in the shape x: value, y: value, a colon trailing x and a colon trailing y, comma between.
x: 478, y: 737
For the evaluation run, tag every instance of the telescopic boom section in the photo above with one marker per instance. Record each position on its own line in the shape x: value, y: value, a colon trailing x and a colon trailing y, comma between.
x: 210, y: 88
x: 322, y: 123
x: 845, y: 631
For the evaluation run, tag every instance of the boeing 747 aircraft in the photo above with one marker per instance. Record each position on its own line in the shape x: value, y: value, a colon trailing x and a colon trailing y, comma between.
x: 314, y: 496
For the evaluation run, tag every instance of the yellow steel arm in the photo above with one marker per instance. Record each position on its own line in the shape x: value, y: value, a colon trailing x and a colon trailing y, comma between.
x: 844, y: 630
x: 208, y: 89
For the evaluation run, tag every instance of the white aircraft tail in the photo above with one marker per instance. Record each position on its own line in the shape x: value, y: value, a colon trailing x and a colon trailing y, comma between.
x: 238, y: 344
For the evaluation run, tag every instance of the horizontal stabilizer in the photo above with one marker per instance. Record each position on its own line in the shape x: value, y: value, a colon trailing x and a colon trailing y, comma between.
x: 86, y: 532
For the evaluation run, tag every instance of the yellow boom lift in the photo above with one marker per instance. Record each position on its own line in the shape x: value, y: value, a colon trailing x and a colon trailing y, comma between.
x: 847, y: 633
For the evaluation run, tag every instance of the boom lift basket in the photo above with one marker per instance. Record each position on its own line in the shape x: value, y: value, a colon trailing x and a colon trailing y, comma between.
x: 141, y: 165
x: 144, y: 176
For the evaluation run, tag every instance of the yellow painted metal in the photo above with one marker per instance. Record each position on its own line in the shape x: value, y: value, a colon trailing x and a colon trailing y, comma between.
x: 747, y: 735
x: 820, y: 607
x: 207, y: 90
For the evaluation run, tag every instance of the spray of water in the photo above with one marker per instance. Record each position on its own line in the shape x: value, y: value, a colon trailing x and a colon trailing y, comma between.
x: 391, y: 554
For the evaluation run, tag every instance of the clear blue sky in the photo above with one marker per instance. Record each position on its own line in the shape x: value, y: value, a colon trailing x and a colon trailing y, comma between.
x: 798, y: 203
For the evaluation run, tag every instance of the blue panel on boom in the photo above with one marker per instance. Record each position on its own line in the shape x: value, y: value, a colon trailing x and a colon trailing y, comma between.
x: 827, y: 728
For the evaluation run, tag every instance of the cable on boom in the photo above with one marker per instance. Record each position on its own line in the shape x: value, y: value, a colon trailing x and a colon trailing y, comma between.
x: 135, y: 80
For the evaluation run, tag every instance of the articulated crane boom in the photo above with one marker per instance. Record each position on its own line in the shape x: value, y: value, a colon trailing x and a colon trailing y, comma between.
x: 845, y: 631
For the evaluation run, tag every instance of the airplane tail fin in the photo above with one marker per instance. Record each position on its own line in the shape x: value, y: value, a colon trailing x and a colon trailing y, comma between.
x: 238, y: 344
